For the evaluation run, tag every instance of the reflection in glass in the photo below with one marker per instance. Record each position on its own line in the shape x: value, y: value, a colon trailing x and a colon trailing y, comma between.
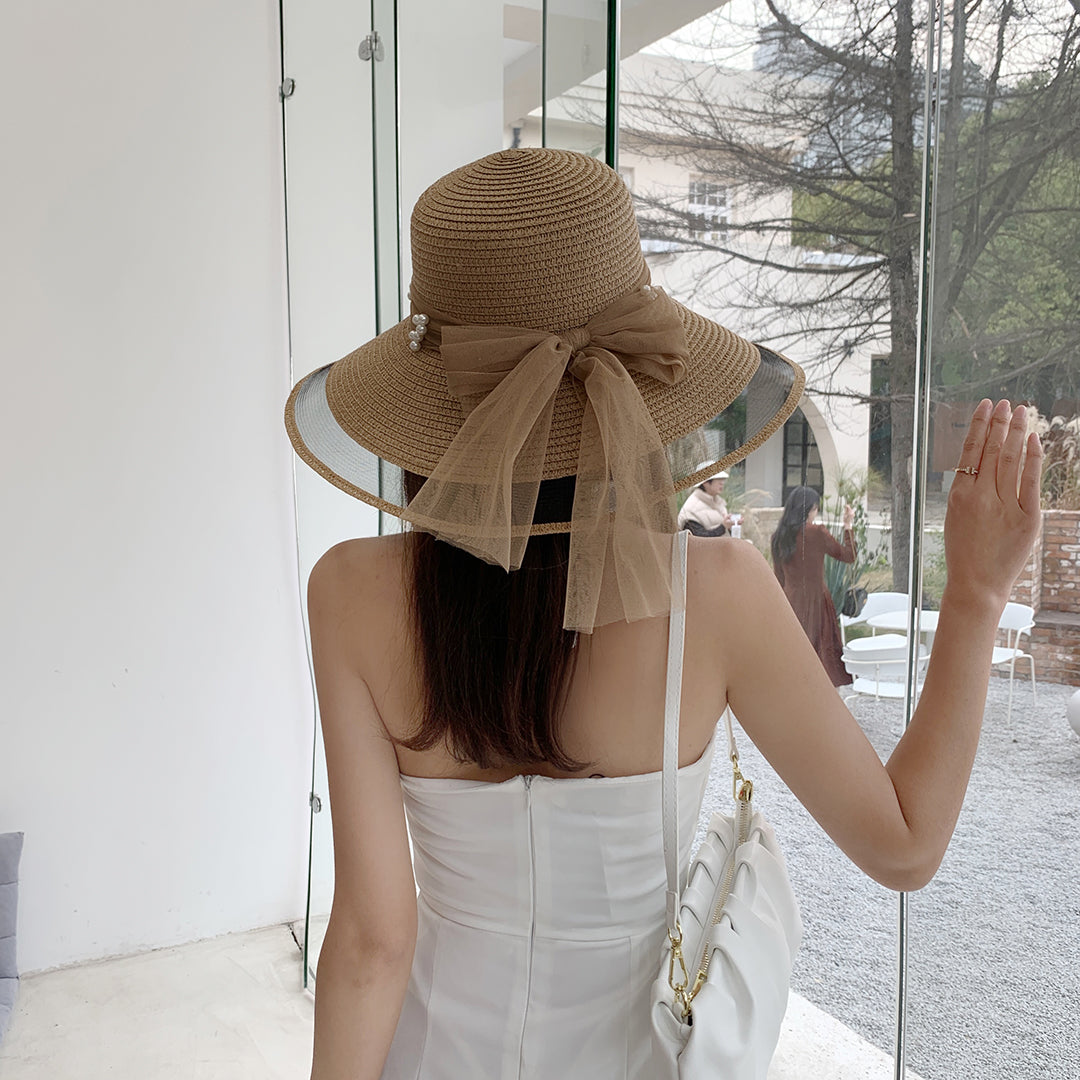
x: 523, y: 66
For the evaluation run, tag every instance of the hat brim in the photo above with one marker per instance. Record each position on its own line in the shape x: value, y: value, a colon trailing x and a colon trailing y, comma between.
x: 387, y: 403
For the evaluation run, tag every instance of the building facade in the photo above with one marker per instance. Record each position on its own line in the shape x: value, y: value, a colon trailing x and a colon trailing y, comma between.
x: 701, y: 245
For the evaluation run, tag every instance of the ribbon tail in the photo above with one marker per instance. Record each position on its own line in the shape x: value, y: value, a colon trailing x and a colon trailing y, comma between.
x: 624, y: 513
x: 590, y: 537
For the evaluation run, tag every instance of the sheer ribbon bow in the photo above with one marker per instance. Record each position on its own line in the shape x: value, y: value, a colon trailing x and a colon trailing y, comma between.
x: 482, y: 495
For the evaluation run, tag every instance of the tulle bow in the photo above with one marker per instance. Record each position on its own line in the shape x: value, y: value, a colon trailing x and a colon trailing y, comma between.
x: 482, y: 495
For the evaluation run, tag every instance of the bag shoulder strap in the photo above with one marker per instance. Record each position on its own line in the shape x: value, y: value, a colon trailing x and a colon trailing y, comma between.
x: 672, y: 704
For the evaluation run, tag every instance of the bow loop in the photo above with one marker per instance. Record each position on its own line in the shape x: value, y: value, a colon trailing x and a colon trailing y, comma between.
x: 576, y: 339
x: 482, y: 494
x: 478, y: 358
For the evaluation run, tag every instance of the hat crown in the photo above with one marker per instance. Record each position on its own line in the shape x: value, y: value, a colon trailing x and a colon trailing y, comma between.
x: 540, y: 238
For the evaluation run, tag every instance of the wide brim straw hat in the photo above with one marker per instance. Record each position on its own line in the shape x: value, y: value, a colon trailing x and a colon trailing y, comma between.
x: 539, y: 242
x: 721, y: 475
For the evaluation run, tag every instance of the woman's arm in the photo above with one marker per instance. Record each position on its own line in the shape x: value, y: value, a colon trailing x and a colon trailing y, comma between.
x: 844, y: 552
x: 366, y: 955
x: 894, y: 820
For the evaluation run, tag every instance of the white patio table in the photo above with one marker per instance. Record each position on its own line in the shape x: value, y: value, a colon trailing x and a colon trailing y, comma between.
x: 897, y: 622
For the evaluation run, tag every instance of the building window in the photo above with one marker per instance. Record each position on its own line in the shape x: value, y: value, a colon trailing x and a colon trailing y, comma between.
x: 708, y: 202
x: 802, y: 461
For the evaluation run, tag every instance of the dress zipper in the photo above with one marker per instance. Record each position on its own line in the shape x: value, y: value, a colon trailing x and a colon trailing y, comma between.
x: 528, y: 779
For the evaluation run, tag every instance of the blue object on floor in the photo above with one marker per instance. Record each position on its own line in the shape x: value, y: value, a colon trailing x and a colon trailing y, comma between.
x: 10, y: 850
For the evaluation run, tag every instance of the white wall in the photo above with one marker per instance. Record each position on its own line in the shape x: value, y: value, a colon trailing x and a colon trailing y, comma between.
x: 156, y: 722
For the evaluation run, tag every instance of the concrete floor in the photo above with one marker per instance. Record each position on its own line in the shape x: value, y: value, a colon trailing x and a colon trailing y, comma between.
x: 232, y: 1008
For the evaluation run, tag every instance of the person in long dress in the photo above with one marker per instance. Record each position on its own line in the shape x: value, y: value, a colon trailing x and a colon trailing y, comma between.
x: 799, y: 547
x: 496, y: 673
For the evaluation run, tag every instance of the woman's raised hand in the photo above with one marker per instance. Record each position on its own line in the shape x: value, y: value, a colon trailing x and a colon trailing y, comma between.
x: 993, y: 514
x: 849, y: 516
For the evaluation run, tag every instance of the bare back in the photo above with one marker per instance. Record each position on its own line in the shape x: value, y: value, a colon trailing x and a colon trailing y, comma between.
x: 615, y: 706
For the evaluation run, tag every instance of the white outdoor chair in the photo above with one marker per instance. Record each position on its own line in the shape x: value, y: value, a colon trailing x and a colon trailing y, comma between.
x: 877, y: 603
x: 878, y: 665
x: 1015, y: 620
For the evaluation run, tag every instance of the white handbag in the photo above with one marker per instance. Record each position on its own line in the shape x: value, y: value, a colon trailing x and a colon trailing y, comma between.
x: 733, y: 928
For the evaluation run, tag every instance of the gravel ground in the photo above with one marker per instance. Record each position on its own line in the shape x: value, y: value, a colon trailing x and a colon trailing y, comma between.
x: 994, y: 939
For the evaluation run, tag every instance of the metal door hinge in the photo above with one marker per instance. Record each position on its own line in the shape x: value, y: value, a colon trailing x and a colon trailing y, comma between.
x: 315, y: 803
x: 285, y: 90
x: 371, y: 48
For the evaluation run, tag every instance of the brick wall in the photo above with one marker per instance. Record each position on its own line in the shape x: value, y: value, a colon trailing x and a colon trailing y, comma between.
x: 1029, y: 584
x: 1055, y: 644
x: 1061, y: 561
x: 1050, y: 583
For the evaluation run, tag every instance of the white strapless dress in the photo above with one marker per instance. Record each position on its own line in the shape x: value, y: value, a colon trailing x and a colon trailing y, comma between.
x: 541, y: 921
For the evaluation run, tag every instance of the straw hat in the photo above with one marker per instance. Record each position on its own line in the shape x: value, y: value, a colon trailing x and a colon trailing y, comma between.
x: 721, y: 475
x: 540, y: 246
x: 536, y: 238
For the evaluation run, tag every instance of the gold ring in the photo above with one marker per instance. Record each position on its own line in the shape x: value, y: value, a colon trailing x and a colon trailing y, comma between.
x: 970, y: 470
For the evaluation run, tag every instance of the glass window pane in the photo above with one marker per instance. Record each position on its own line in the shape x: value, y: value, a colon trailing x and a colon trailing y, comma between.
x: 992, y: 968
x: 726, y: 124
x: 465, y: 84
x: 575, y: 79
x: 332, y: 305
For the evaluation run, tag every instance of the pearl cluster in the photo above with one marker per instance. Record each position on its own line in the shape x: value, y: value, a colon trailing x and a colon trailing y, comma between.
x: 419, y: 329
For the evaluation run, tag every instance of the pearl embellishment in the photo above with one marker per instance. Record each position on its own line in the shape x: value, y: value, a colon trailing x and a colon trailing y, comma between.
x: 416, y: 334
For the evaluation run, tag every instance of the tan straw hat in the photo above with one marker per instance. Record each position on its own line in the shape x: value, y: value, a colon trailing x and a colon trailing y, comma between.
x: 534, y: 334
x: 721, y: 475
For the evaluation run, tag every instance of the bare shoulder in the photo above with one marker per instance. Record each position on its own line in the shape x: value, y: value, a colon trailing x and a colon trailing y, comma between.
x: 737, y: 595
x: 366, y: 563
x: 725, y: 567
x: 356, y: 590
x: 727, y: 581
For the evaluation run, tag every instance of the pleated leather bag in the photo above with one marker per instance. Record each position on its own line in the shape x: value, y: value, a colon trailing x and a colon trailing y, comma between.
x: 733, y: 928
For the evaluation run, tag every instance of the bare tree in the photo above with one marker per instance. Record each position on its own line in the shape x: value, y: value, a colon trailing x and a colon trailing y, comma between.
x: 832, y: 115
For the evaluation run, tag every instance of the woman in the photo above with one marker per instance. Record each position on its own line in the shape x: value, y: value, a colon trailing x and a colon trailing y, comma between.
x: 799, y: 547
x: 705, y: 512
x: 516, y: 717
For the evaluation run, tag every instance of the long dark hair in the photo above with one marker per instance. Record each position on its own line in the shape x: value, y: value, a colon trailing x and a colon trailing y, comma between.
x: 495, y: 661
x: 796, y: 510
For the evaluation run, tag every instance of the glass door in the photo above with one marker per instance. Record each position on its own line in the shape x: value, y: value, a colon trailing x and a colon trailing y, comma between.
x: 373, y: 116
x: 993, y: 939
x: 725, y: 120
x: 849, y: 184
x: 333, y: 291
